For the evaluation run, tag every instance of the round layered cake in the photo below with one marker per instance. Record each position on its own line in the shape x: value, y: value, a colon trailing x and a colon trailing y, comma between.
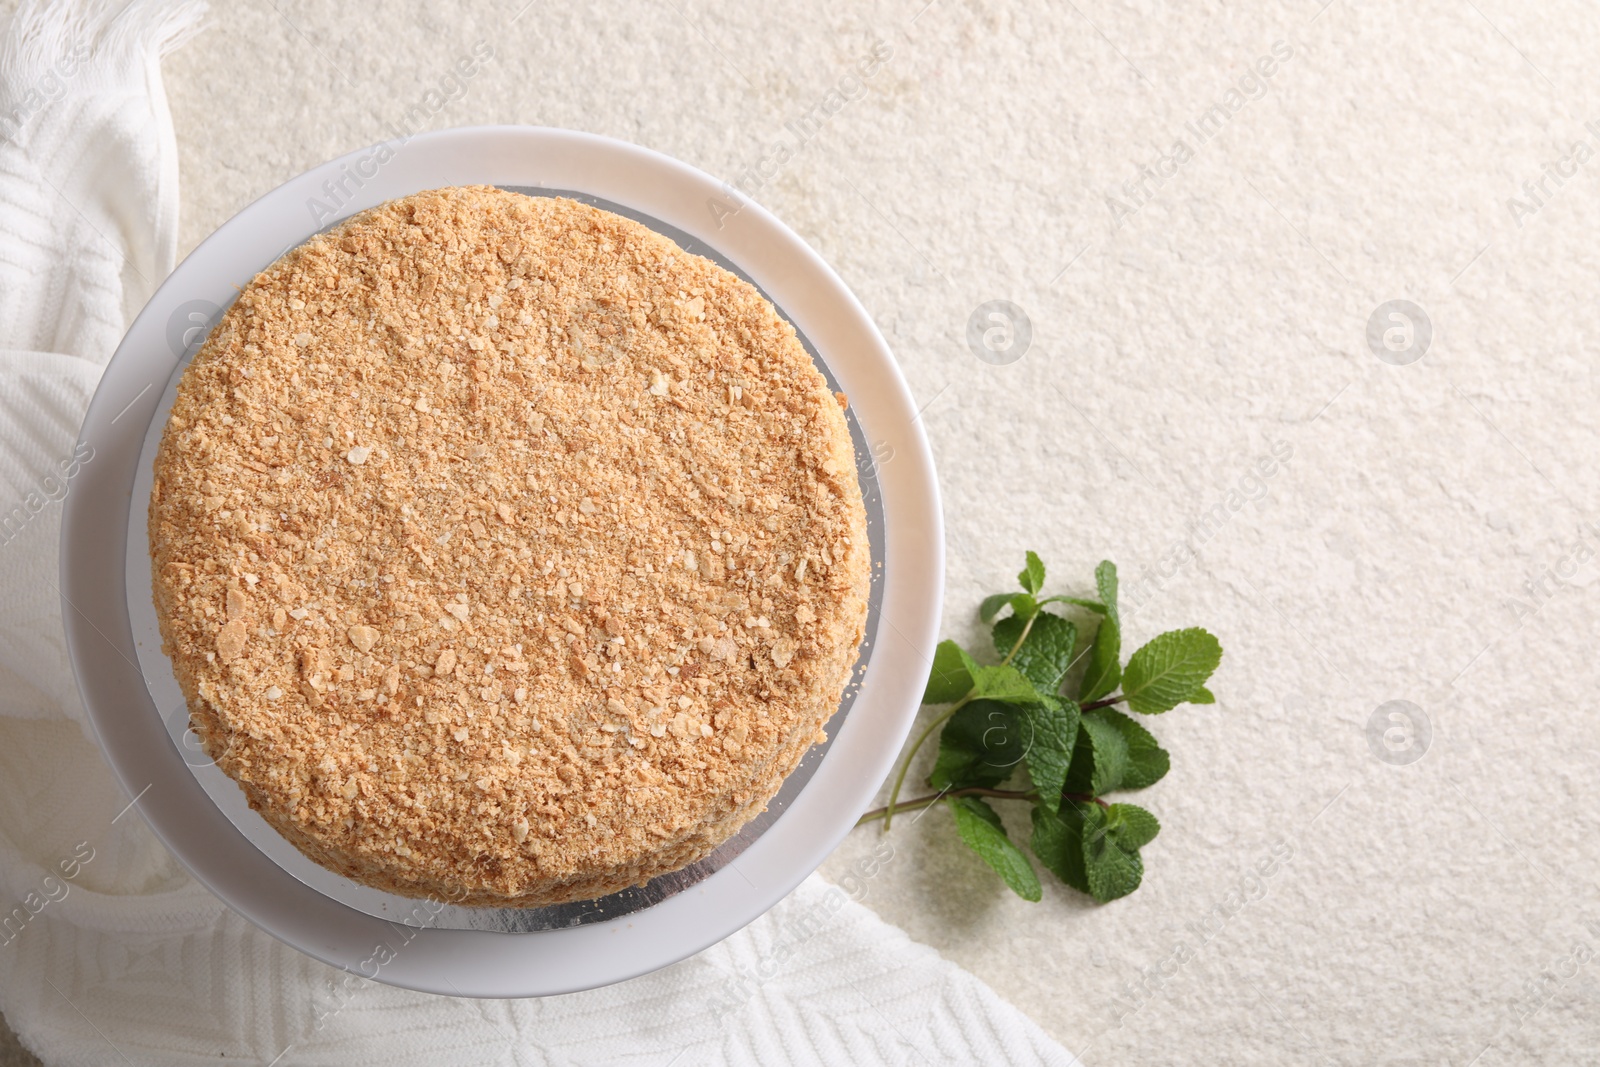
x: 505, y: 552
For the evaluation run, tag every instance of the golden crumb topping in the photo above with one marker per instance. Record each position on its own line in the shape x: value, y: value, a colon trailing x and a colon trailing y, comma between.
x: 504, y: 551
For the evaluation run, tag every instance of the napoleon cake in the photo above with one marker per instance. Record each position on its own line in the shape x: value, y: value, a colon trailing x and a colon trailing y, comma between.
x: 505, y: 552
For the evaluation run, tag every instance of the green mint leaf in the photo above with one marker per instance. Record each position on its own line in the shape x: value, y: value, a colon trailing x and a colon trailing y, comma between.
x: 1058, y: 842
x: 1099, y: 758
x: 1112, y: 871
x: 1168, y: 671
x: 1005, y: 634
x: 1003, y: 682
x: 992, y: 604
x: 980, y: 828
x: 1105, y: 662
x: 1148, y: 762
x: 1105, y: 581
x: 1045, y: 656
x: 1132, y: 826
x: 1093, y: 605
x: 1050, y: 749
x: 951, y: 677
x: 981, y: 745
x: 1202, y: 696
x: 1021, y: 604
x: 1032, y: 577
x: 1105, y: 656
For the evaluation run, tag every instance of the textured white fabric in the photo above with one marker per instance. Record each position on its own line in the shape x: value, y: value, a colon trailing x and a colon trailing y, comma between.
x: 108, y: 951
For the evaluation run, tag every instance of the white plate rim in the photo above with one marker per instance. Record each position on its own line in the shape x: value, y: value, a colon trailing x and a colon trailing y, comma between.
x: 475, y: 963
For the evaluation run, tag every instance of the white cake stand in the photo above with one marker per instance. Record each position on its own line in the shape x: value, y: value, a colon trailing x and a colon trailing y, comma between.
x: 127, y: 684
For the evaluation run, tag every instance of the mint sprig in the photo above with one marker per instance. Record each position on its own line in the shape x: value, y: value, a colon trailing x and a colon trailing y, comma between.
x: 1013, y: 717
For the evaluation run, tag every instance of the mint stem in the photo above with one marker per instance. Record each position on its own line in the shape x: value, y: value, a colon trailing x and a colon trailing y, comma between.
x: 900, y: 779
x: 970, y: 791
x: 1106, y: 703
x: 1023, y: 636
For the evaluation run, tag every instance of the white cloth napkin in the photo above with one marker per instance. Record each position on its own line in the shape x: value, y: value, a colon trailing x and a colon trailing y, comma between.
x: 109, y: 952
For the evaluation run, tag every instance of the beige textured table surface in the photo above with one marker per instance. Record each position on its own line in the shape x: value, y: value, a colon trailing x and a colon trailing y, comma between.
x: 1428, y: 539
